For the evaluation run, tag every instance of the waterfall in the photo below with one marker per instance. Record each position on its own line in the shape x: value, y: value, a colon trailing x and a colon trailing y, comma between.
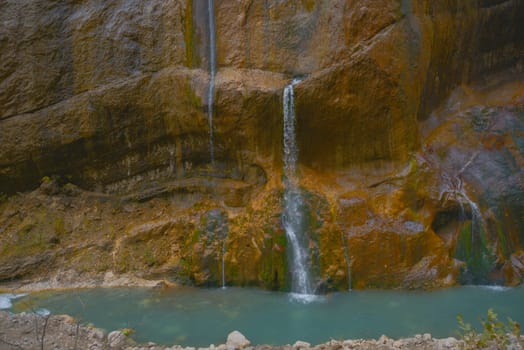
x: 212, y: 73
x: 476, y: 216
x: 223, y: 264
x: 292, y: 217
x: 347, y: 258
x: 478, y: 256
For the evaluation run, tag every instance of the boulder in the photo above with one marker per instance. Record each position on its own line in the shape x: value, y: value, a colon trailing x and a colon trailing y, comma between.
x: 236, y: 340
x: 301, y: 345
x: 116, y: 340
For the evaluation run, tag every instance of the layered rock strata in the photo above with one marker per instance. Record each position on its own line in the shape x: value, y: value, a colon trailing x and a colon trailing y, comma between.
x: 105, y: 152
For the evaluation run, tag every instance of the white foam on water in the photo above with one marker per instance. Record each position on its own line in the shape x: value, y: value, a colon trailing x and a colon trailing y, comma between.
x: 306, y: 298
x: 6, y: 300
x: 43, y: 312
x: 5, y: 303
x: 496, y: 288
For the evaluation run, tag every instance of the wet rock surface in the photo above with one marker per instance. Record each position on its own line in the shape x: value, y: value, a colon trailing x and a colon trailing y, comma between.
x: 85, y: 80
x: 410, y: 112
x: 404, y: 224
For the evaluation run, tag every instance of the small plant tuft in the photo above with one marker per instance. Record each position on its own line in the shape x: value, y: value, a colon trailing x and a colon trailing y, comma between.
x: 496, y: 334
x: 127, y: 331
x: 46, y: 180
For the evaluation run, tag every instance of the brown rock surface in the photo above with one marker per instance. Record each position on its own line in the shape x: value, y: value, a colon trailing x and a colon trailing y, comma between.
x: 111, y: 98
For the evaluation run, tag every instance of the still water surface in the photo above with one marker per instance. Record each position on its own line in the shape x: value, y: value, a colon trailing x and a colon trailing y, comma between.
x: 200, y: 317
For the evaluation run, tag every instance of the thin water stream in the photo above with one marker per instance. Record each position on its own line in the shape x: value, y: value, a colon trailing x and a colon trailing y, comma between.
x: 292, y: 216
x: 223, y: 264
x: 347, y: 258
x: 212, y: 73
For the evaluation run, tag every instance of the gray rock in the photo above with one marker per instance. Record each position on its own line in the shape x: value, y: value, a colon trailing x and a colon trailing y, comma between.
x: 447, y: 343
x: 237, y: 340
x: 517, y: 263
x: 97, y: 333
x: 301, y: 345
x: 513, y: 343
x: 383, y: 339
x: 116, y: 340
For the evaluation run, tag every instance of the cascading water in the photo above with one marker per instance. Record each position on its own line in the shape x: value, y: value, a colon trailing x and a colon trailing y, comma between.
x: 292, y: 217
x: 212, y: 73
x: 211, y: 102
x: 223, y: 264
x: 347, y: 258
x: 474, y: 251
x: 216, y: 229
x: 476, y: 215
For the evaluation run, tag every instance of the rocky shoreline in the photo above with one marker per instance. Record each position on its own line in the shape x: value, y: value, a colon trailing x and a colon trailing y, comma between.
x: 31, y: 331
x: 70, y: 279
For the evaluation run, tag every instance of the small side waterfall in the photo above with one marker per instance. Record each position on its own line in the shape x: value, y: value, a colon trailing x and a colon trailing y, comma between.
x: 476, y: 218
x: 212, y: 73
x: 217, y: 232
x: 292, y: 216
x: 223, y: 264
x: 473, y: 250
x: 347, y: 258
x: 477, y: 223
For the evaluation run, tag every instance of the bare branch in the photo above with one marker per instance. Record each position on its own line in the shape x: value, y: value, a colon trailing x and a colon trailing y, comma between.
x: 46, y: 319
x: 76, y: 334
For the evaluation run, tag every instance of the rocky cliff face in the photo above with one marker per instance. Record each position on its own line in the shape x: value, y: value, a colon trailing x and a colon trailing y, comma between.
x: 103, y: 116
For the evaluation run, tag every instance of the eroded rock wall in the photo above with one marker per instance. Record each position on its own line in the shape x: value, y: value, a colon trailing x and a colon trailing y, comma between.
x: 111, y: 97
